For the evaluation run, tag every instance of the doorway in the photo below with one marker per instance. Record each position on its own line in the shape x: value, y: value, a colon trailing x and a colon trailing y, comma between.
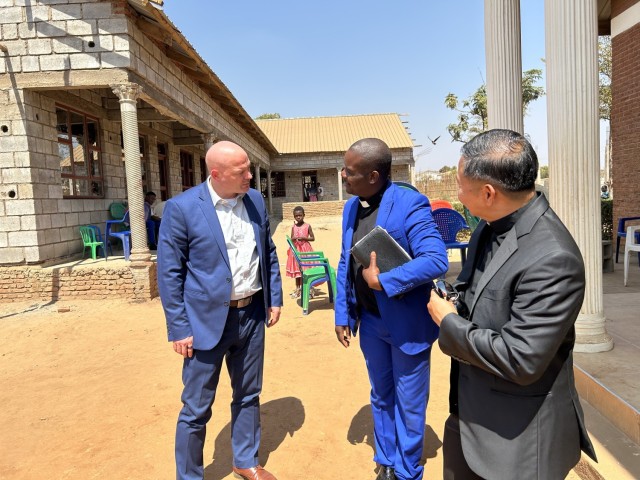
x: 310, y: 186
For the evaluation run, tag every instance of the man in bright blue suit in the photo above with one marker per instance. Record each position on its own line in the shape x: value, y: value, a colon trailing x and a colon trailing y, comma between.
x: 219, y: 281
x: 390, y: 309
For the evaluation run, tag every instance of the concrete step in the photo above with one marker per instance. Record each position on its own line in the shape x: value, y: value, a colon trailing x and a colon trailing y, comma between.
x: 614, y: 408
x: 618, y: 455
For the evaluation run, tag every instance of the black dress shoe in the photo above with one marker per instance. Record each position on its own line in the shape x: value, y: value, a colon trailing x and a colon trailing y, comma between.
x: 386, y: 473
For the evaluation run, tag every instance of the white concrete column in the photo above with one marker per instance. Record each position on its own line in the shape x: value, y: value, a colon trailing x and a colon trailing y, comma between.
x: 256, y: 175
x: 574, y: 163
x: 128, y: 94
x: 504, y: 64
x: 209, y: 139
x: 269, y: 194
x: 339, y: 169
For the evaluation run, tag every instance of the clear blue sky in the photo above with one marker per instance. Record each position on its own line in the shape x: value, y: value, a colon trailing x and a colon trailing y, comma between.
x: 305, y: 59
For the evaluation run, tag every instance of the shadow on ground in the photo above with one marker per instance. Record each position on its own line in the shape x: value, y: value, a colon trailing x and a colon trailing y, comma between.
x: 361, y: 431
x: 279, y: 418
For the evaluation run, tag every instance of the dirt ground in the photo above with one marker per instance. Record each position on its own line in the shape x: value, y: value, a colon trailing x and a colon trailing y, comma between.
x: 94, y: 392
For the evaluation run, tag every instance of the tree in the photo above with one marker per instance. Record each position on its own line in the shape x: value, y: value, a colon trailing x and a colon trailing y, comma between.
x: 604, y: 74
x: 268, y: 116
x: 472, y: 112
x: 544, y: 171
x: 604, y: 71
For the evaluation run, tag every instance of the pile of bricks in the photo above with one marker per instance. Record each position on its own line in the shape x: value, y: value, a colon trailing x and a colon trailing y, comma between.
x: 314, y: 209
x: 54, y: 283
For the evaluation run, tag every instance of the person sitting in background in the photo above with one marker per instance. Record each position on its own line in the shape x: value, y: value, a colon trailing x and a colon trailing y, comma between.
x: 152, y: 220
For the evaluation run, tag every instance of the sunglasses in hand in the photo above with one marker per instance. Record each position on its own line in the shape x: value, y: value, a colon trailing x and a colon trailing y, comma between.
x: 447, y: 291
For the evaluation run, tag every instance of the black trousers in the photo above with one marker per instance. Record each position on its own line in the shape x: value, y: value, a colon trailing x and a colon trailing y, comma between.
x: 455, y: 465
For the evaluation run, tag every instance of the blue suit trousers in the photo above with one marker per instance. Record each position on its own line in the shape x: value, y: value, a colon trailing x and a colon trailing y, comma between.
x: 399, y: 395
x: 242, y: 343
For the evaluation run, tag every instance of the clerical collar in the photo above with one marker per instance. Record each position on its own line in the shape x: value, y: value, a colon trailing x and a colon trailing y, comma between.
x: 374, y: 200
x: 505, y: 224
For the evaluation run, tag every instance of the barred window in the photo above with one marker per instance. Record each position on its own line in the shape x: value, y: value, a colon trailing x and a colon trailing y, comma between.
x: 186, y: 167
x: 80, y: 154
x: 277, y: 185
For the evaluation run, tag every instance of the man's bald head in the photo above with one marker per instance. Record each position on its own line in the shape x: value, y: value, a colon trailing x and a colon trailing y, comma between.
x: 376, y: 155
x: 219, y: 154
x: 230, y: 169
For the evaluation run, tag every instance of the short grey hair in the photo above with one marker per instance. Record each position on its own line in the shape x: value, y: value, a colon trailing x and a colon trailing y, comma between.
x: 503, y: 157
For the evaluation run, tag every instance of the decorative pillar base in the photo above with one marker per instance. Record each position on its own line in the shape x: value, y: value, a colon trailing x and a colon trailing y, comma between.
x: 144, y: 273
x: 140, y: 256
x: 591, y: 336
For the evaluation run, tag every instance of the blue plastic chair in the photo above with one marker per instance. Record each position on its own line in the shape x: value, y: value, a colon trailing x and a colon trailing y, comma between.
x: 449, y: 223
x: 123, y: 235
x: 622, y: 233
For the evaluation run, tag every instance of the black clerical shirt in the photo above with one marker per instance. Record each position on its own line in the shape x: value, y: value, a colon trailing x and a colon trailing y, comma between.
x: 365, y: 222
x: 492, y: 237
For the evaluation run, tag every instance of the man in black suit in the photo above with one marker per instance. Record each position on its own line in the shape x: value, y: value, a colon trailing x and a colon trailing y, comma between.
x: 515, y: 412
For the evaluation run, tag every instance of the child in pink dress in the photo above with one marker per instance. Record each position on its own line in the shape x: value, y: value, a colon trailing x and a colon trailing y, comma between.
x: 301, y: 235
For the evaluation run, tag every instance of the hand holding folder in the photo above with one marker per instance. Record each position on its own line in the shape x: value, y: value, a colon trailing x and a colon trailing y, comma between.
x: 389, y: 252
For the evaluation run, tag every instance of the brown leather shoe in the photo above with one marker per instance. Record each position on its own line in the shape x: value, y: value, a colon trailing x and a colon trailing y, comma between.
x: 255, y: 473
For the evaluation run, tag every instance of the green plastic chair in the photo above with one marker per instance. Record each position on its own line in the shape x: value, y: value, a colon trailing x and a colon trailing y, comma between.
x: 88, y: 233
x: 315, y: 270
x: 117, y: 210
x: 472, y: 220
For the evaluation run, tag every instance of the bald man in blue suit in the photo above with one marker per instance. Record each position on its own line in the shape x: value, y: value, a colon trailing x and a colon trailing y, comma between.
x: 219, y: 281
x: 390, y: 308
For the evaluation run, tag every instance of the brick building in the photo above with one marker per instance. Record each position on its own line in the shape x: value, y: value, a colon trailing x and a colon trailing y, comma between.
x: 311, y: 152
x: 623, y: 24
x: 103, y: 100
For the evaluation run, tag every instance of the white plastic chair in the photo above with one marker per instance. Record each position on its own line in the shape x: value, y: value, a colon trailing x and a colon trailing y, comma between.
x: 630, y: 245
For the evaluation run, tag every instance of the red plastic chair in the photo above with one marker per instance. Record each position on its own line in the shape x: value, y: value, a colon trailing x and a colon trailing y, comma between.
x: 436, y: 204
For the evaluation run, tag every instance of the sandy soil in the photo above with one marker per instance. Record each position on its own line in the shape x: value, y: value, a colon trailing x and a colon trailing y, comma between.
x: 94, y: 392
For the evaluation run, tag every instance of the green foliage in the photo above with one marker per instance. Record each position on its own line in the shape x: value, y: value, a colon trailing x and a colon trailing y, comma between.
x: 472, y: 112
x: 544, y: 171
x: 606, y: 213
x: 268, y: 116
x: 472, y: 116
x: 463, y: 235
x: 458, y: 207
x: 604, y: 71
x: 446, y: 169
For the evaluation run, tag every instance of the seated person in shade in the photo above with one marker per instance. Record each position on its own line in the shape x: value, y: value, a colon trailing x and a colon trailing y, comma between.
x: 157, y: 208
x: 152, y: 221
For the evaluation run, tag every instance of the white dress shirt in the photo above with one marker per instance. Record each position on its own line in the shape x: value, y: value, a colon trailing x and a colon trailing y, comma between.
x: 240, y: 241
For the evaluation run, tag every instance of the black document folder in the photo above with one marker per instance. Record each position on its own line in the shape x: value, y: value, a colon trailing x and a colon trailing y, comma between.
x: 389, y: 253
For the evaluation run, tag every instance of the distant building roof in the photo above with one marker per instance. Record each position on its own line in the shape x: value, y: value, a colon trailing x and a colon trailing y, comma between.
x: 334, y: 134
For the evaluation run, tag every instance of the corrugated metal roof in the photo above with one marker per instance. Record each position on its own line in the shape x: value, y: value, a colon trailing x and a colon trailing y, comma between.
x: 334, y: 134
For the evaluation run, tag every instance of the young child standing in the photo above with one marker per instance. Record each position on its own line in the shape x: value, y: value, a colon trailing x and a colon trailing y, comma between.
x: 301, y: 235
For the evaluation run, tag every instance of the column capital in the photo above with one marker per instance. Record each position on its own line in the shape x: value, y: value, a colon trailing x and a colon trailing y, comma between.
x: 209, y: 139
x: 127, y: 92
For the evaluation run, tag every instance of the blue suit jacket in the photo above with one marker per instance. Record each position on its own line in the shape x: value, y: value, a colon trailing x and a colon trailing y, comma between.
x: 406, y: 215
x: 194, y: 277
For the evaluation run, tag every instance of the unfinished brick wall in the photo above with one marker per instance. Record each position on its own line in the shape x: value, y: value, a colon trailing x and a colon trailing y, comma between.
x: 313, y: 209
x: 78, y: 282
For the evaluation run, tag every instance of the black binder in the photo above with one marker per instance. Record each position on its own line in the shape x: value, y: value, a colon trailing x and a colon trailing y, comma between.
x: 389, y: 253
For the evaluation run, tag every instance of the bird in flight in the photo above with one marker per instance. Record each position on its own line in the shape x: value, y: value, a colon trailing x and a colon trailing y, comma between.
x: 434, y: 141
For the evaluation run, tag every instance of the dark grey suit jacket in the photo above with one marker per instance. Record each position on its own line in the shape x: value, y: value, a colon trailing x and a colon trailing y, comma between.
x: 520, y: 416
